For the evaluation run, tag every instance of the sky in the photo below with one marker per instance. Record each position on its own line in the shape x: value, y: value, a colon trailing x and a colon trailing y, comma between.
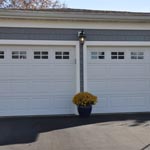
x: 115, y: 5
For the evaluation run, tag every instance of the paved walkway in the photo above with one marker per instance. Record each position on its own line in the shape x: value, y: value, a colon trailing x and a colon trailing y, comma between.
x: 114, y: 132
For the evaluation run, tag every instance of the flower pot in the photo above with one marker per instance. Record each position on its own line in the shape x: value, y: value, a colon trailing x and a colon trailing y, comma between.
x: 84, y: 111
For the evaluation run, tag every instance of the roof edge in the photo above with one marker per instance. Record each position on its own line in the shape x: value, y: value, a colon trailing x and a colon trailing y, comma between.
x: 75, y: 14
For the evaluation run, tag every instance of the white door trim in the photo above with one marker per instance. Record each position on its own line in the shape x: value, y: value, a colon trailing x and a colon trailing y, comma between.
x: 108, y: 44
x: 85, y: 65
x: 38, y: 42
x: 117, y: 43
x: 77, y: 67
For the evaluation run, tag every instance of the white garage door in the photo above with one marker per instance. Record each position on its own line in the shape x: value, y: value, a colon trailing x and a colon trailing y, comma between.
x: 120, y: 77
x: 36, y: 80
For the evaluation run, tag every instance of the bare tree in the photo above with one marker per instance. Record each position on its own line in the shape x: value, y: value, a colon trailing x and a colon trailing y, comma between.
x: 31, y: 4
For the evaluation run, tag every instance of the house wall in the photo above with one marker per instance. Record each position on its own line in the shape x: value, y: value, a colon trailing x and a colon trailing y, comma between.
x: 15, y: 33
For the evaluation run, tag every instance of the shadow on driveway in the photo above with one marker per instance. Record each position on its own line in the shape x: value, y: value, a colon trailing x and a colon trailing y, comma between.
x: 26, y: 129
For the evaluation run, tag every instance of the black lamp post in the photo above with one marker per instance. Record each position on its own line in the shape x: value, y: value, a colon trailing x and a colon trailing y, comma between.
x: 81, y: 36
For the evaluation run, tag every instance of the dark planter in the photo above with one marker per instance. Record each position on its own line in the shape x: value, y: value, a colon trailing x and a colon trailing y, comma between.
x: 85, y: 111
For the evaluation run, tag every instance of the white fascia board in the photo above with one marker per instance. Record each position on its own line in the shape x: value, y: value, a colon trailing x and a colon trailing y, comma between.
x: 78, y: 15
x: 117, y: 43
x: 72, y: 24
x: 38, y: 42
x: 85, y: 57
x: 77, y: 67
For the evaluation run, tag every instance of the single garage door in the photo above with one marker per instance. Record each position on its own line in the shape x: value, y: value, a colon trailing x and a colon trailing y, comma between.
x: 37, y: 80
x: 120, y: 77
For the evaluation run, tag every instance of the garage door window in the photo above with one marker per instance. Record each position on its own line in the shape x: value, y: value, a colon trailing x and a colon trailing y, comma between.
x: 137, y: 55
x: 40, y: 54
x: 97, y: 55
x: 61, y: 55
x: 117, y: 55
x: 19, y: 54
x: 1, y: 54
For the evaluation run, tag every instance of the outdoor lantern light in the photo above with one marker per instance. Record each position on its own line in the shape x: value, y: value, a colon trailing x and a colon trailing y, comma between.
x: 81, y: 36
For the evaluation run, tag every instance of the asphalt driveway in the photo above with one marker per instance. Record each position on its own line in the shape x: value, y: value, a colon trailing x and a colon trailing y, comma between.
x: 103, y: 132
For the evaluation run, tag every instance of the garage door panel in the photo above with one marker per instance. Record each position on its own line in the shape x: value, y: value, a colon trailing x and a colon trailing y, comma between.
x: 14, y: 103
x: 64, y: 101
x: 19, y: 86
x: 40, y: 103
x: 129, y: 71
x: 34, y: 82
x: 42, y: 71
x: 4, y: 106
x: 4, y: 71
x: 53, y: 73
x: 64, y: 72
x: 119, y: 85
x: 115, y: 104
x: 118, y: 71
x: 128, y: 85
x: 58, y: 87
x: 128, y: 101
x: 97, y: 86
x: 4, y: 86
x: 41, y: 86
x: 19, y: 70
x: 101, y: 72
x: 123, y: 83
x: 19, y: 103
x: 102, y: 102
x: 64, y: 87
x: 102, y: 105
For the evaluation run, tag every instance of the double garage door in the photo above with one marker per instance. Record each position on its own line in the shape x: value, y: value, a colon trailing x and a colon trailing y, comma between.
x: 37, y: 80
x: 41, y: 80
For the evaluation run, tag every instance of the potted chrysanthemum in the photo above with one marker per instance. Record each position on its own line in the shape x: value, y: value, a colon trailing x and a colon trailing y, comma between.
x: 84, y: 102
